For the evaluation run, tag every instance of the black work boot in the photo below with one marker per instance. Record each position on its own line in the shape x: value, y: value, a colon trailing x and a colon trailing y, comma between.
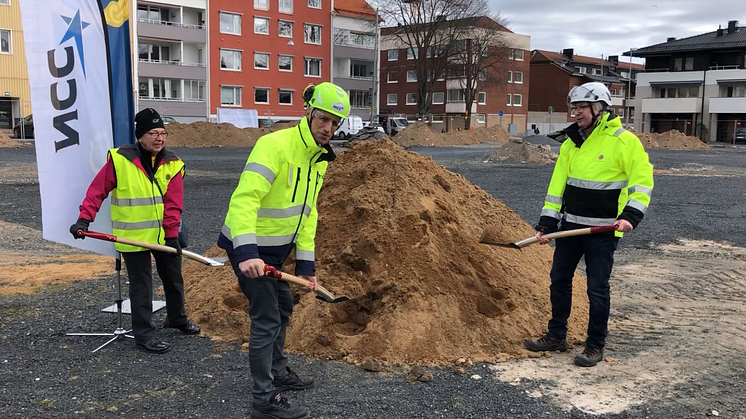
x: 187, y: 328
x: 546, y: 343
x: 291, y: 381
x: 279, y: 408
x: 589, y: 357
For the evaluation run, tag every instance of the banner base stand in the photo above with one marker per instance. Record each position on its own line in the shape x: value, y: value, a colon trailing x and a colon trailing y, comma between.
x: 127, y: 309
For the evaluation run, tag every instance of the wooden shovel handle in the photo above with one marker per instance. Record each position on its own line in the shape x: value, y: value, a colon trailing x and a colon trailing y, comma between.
x: 275, y: 273
x: 568, y: 233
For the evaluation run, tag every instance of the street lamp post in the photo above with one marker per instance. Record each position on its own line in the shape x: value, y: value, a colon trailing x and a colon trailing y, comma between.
x: 629, y: 84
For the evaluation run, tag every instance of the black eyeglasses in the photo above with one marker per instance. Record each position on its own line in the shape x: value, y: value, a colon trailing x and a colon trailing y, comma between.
x: 156, y: 134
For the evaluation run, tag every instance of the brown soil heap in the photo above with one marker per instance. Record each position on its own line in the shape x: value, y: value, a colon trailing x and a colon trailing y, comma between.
x: 673, y: 140
x: 6, y: 141
x: 519, y: 151
x: 398, y: 233
x: 420, y: 134
x: 206, y: 134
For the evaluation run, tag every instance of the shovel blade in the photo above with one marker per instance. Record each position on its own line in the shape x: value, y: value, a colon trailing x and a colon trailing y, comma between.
x: 326, y: 299
x: 508, y: 245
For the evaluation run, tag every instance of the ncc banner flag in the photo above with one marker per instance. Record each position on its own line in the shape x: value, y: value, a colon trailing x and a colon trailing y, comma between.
x: 78, y: 54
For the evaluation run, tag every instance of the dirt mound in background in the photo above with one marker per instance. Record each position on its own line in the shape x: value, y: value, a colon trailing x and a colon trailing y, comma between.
x: 673, y: 139
x: 420, y: 134
x: 206, y: 134
x: 6, y: 141
x: 519, y: 151
x: 398, y: 233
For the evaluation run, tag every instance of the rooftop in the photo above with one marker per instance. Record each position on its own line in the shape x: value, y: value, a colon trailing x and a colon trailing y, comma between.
x: 715, y: 40
x: 354, y: 8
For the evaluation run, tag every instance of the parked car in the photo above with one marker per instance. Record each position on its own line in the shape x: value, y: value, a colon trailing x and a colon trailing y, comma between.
x: 740, y: 134
x: 350, y: 126
x: 28, y: 128
x: 392, y: 125
x: 167, y: 120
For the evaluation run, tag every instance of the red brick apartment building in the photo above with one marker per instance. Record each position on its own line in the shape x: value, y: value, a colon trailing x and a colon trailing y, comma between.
x: 509, y: 93
x: 553, y: 74
x: 263, y: 53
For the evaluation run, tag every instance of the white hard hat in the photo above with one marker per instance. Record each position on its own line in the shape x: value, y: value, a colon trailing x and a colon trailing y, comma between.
x: 589, y: 92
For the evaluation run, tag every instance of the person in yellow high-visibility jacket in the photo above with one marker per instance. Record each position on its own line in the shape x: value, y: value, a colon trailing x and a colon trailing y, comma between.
x: 602, y: 176
x: 272, y: 212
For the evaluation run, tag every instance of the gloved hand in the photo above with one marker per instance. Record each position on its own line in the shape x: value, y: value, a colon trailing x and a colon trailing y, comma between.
x: 81, y: 224
x: 174, y: 242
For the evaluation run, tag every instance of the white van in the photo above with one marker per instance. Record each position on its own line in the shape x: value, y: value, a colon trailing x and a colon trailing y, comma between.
x: 351, y: 125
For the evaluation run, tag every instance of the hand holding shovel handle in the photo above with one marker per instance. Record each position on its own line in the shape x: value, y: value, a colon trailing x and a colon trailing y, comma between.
x: 321, y: 293
x: 551, y: 236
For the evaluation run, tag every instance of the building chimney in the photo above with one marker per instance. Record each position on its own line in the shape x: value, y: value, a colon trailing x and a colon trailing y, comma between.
x: 568, y: 52
x: 614, y: 59
x: 670, y: 39
x: 732, y: 26
x: 719, y: 31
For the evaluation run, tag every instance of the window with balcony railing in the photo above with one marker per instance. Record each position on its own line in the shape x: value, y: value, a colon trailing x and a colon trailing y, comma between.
x: 359, y: 99
x: 344, y: 37
x: 162, y: 16
x: 361, y: 71
x: 171, y: 89
x: 456, y: 95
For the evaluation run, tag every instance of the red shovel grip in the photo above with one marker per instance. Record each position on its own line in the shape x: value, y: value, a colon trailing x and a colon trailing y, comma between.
x: 97, y: 235
x: 272, y: 272
x: 603, y: 229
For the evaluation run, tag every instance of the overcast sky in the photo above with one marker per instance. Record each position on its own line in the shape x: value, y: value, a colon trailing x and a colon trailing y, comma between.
x: 610, y: 27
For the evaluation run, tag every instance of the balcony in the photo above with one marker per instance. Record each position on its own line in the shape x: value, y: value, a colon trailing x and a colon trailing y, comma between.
x: 671, y: 105
x: 172, y: 69
x: 160, y: 29
x: 728, y: 105
x: 460, y: 107
x: 176, y: 107
x: 617, y: 101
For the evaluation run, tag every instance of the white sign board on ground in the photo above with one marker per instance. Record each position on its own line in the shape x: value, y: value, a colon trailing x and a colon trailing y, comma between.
x: 241, y: 118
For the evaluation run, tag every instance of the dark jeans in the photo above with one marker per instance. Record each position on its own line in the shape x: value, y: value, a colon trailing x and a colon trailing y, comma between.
x: 139, y: 272
x: 270, y: 307
x: 599, y: 258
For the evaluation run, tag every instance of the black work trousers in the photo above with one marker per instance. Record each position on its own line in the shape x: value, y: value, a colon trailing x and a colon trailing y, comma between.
x: 270, y: 307
x: 599, y: 258
x: 140, y: 274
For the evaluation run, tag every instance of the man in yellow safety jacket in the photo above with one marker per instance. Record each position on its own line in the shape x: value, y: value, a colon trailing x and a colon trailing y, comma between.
x: 146, y: 185
x: 273, y: 212
x: 602, y: 177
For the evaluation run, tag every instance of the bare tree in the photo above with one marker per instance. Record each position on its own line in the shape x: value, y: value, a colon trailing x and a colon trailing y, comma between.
x: 427, y: 29
x: 480, y: 58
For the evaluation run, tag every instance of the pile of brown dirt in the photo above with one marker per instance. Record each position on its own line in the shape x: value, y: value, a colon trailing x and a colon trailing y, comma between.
x: 399, y: 234
x: 672, y: 139
x: 6, y: 141
x: 420, y: 134
x: 206, y: 134
x: 519, y: 151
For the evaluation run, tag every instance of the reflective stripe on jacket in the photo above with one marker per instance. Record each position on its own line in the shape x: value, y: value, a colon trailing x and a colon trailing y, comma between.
x: 600, y: 179
x: 273, y: 208
x: 137, y: 202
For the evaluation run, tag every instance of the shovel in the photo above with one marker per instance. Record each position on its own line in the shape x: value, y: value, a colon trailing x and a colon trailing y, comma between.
x: 322, y: 293
x: 166, y: 249
x: 485, y: 239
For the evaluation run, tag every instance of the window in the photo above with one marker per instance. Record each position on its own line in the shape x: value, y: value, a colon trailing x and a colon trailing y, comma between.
x: 510, y: 77
x: 518, y: 54
x: 230, y: 60
x: 285, y: 62
x: 411, y: 76
x: 153, y: 53
x: 437, y: 119
x: 510, y: 100
x: 261, y: 95
x: 393, y: 54
x: 312, y: 34
x: 581, y: 70
x: 613, y: 92
x: 597, y: 71
x: 261, y: 25
x: 230, y: 96
x: 517, y: 100
x: 314, y: 4
x: 261, y: 61
x: 518, y: 77
x: 482, y: 98
x: 391, y: 99
x: 361, y: 71
x: 285, y: 29
x: 313, y: 67
x: 359, y: 99
x: 620, y: 112
x: 456, y: 95
x: 392, y: 77
x: 411, y: 53
x: 683, y: 64
x: 286, y: 6
x: 285, y: 97
x: 438, y: 98
x: 230, y: 23
x: 5, y: 2
x: 362, y: 40
x: 194, y: 90
x: 511, y: 54
x: 481, y: 118
x: 261, y: 4
x: 200, y: 56
x: 411, y: 98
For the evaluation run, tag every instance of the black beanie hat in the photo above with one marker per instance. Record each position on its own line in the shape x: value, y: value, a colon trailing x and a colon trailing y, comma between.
x: 145, y: 120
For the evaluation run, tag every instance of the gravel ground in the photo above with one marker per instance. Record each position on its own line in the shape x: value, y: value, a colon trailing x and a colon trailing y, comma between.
x: 43, y: 373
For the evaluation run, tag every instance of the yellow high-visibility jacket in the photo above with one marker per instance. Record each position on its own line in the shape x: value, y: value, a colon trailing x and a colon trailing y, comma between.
x: 599, y: 179
x: 273, y: 208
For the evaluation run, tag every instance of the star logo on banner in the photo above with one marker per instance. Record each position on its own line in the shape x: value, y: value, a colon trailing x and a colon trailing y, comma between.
x: 75, y: 28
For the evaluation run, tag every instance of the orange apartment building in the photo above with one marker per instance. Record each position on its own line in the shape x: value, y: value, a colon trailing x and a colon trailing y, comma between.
x: 264, y: 53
